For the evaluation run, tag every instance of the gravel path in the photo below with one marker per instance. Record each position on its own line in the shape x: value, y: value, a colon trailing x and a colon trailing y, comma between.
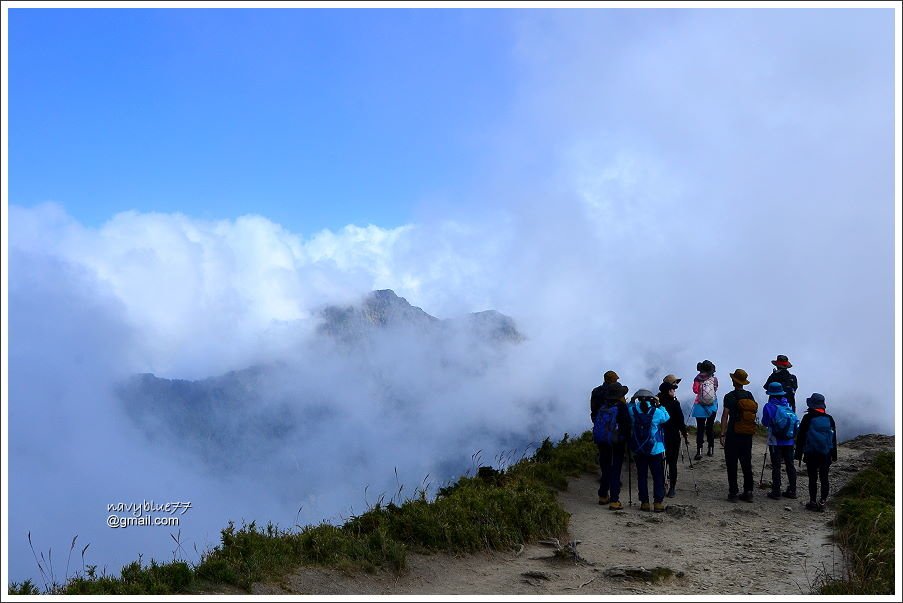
x: 712, y: 546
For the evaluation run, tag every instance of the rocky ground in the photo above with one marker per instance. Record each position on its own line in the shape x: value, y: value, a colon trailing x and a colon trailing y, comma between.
x: 702, y: 543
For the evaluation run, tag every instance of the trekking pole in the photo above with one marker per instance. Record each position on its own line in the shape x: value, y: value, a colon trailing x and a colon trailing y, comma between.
x: 629, y: 482
x: 762, y: 473
x: 687, y: 446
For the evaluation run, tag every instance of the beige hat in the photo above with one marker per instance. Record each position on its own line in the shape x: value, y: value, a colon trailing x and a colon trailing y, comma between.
x: 671, y: 379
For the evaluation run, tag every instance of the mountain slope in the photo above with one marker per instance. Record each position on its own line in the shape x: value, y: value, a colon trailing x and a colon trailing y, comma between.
x: 712, y: 546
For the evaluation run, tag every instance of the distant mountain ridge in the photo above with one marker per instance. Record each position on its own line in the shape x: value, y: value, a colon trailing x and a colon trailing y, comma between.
x: 384, y: 309
x: 245, y: 415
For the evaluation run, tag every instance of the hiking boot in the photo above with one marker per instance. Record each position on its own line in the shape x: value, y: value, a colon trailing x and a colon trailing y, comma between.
x: 698, y: 456
x: 732, y: 498
x: 603, y: 500
x: 645, y: 507
x: 615, y: 506
x: 788, y: 494
x: 814, y: 506
x: 671, y: 493
x: 774, y: 495
x: 711, y: 451
x: 746, y: 497
x: 658, y: 507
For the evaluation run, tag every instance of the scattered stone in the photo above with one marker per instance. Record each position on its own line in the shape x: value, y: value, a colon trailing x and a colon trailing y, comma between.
x: 655, y: 574
x: 537, y: 575
x: 744, y: 511
x: 788, y: 508
x: 679, y: 511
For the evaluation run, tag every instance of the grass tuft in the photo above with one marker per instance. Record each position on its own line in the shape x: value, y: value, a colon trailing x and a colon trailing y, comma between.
x: 496, y: 509
x: 864, y: 529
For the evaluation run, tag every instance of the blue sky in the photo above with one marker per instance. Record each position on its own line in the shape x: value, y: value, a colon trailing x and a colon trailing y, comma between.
x: 638, y: 190
x: 313, y: 118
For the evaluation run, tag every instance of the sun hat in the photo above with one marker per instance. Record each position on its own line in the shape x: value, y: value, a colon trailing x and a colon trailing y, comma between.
x: 781, y: 361
x: 816, y: 401
x: 740, y: 377
x: 671, y: 379
x: 775, y: 389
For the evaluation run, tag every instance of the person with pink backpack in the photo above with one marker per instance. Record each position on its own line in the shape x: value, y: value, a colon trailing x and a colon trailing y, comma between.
x: 705, y: 407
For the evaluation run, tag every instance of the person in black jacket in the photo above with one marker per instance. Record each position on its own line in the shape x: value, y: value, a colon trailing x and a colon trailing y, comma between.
x: 674, y: 428
x: 816, y: 445
x: 738, y: 426
x: 785, y: 378
x: 611, y: 457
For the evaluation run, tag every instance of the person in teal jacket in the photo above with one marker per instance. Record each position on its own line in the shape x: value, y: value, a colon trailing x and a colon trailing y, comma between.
x: 647, y: 441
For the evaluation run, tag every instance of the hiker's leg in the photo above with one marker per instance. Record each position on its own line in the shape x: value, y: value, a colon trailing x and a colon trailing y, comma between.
x: 617, y: 462
x: 730, y: 460
x: 642, y: 470
x: 812, y: 470
x: 700, y: 432
x: 787, y: 452
x: 710, y: 429
x: 743, y: 445
x: 776, y: 461
x: 657, y: 468
x: 672, y: 452
x: 604, y: 468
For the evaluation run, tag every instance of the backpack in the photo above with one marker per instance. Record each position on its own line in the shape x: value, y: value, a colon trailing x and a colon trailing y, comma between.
x: 784, y: 423
x: 641, y: 436
x: 707, y: 392
x: 605, y: 426
x: 820, y: 437
x: 745, y: 422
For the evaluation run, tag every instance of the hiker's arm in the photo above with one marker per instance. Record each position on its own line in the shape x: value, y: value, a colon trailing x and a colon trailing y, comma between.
x: 801, y: 437
x: 724, y: 416
x: 681, y: 423
x: 834, y: 435
x: 766, y: 420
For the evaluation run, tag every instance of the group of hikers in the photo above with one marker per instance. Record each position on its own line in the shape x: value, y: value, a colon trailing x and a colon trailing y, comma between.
x: 648, y: 431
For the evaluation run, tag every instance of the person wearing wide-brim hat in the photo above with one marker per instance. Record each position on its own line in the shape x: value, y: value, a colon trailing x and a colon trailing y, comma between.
x: 738, y: 425
x: 611, y: 396
x: 781, y: 374
x: 782, y: 424
x: 816, y: 445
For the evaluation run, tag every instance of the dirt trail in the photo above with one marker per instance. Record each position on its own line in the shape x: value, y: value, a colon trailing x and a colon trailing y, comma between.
x: 712, y: 545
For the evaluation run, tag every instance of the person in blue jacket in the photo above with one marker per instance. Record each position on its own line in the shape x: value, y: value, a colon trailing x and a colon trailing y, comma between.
x: 782, y: 424
x: 647, y: 442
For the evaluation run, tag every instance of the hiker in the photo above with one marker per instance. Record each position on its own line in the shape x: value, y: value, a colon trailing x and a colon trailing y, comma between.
x: 816, y: 445
x: 705, y: 407
x: 782, y: 425
x: 738, y: 425
x: 648, y: 446
x: 781, y: 375
x: 611, y: 427
x: 674, y: 428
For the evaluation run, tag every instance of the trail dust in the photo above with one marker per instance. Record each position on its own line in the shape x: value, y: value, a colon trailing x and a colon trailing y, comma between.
x: 706, y: 544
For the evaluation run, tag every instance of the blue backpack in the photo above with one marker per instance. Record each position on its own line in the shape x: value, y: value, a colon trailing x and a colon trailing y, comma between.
x: 820, y: 437
x: 605, y: 426
x: 784, y: 423
x: 642, y: 439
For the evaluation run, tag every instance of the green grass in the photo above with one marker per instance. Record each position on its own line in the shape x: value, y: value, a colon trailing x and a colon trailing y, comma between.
x: 864, y: 529
x: 493, y: 510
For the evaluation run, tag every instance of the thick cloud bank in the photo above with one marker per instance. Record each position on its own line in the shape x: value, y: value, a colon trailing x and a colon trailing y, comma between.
x: 718, y: 186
